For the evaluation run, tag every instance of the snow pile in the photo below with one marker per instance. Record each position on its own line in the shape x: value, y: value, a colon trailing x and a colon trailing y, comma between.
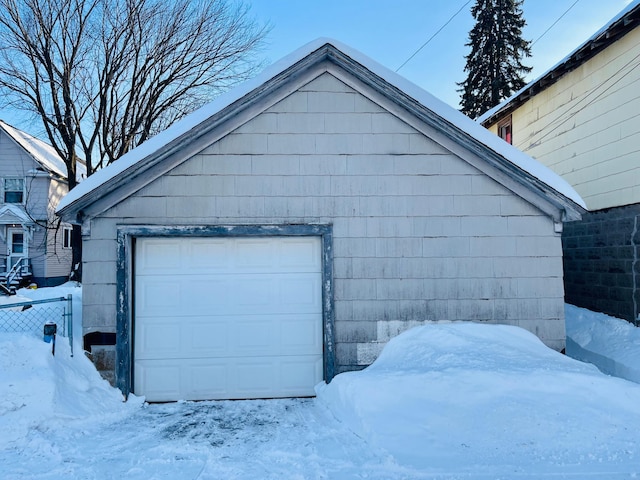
x: 443, y: 401
x: 487, y: 400
x: 40, y: 392
x: 613, y: 345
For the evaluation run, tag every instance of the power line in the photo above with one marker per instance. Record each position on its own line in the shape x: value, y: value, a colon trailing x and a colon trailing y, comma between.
x: 554, y: 23
x: 434, y: 35
x: 565, y: 117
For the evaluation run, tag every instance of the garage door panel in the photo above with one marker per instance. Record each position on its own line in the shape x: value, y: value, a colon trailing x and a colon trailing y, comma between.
x: 172, y: 337
x: 299, y: 292
x: 239, y: 318
x: 296, y: 372
x: 228, y: 293
x: 228, y: 337
x: 299, y: 255
x: 205, y: 379
x: 158, y: 255
x: 301, y: 335
x: 159, y: 380
x: 157, y: 296
x: 197, y: 379
x: 255, y: 254
x: 253, y: 336
x: 208, y: 255
x: 158, y: 339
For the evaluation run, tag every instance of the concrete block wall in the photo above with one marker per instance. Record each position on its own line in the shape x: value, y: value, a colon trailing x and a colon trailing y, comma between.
x: 602, y: 261
x: 419, y: 235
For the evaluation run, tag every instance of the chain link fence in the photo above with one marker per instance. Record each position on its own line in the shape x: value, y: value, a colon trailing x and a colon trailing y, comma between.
x: 31, y: 316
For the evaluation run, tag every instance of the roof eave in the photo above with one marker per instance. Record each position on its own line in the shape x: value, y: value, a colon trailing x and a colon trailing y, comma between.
x: 72, y: 213
x: 618, y: 29
x: 564, y: 207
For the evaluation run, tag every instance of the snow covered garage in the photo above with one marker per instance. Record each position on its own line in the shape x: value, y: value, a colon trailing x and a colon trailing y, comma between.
x: 283, y: 233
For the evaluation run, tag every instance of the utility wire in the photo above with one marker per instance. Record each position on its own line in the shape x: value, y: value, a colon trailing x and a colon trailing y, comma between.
x: 562, y: 119
x: 554, y: 23
x: 434, y: 35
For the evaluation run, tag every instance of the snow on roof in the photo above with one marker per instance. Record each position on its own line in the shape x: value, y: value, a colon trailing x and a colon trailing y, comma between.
x: 42, y: 152
x: 489, y: 113
x: 9, y: 213
x: 445, y: 111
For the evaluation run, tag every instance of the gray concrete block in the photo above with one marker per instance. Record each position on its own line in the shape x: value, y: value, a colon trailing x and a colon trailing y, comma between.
x: 309, y: 123
x: 364, y: 104
x: 353, y: 332
x: 326, y: 83
x: 350, y: 185
x: 530, y: 226
x: 244, y: 144
x: 331, y: 102
x: 99, y: 272
x: 226, y: 164
x: 493, y: 246
x: 417, y: 164
x: 354, y: 247
x: 421, y: 144
x: 446, y: 247
x: 291, y: 144
x: 296, y: 102
x: 398, y: 247
x: 347, y: 122
x: 355, y: 289
x: 323, y: 164
x: 339, y: 144
x: 279, y: 164
x: 135, y: 207
x: 99, y: 294
x: 388, y: 123
x: 385, y: 144
x: 263, y: 123
x: 99, y: 251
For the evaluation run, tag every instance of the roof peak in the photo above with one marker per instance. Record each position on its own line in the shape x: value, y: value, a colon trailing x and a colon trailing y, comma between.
x: 387, y: 82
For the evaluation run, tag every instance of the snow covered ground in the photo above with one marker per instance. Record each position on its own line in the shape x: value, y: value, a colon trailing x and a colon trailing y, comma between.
x: 444, y: 401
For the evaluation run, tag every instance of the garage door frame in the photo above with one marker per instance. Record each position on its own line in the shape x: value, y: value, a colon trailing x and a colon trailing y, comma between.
x: 126, y: 235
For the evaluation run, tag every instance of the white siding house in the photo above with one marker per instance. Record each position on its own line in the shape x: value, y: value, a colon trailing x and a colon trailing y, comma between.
x: 284, y: 233
x: 32, y: 182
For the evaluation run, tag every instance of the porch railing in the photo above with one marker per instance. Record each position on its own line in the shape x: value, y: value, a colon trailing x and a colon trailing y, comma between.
x: 21, y: 268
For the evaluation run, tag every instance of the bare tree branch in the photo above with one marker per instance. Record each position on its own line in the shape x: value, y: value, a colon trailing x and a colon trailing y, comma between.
x: 105, y: 75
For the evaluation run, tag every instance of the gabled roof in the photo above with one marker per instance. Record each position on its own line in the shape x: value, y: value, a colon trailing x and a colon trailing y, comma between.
x: 623, y: 23
x: 41, y: 152
x: 445, y: 119
x: 10, y: 213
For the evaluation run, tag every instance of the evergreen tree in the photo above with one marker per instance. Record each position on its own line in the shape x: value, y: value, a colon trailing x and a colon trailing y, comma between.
x: 494, y: 68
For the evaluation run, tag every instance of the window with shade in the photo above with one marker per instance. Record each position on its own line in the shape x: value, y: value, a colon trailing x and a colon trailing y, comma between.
x: 13, y: 190
x: 504, y: 130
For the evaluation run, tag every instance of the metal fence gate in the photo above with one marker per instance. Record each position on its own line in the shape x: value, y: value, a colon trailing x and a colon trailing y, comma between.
x: 30, y: 316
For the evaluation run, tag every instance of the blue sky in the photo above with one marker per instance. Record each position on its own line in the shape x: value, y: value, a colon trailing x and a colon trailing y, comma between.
x: 391, y: 31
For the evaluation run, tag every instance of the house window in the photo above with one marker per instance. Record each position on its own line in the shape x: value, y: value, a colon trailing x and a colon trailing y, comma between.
x: 66, y: 237
x: 504, y: 130
x: 13, y: 190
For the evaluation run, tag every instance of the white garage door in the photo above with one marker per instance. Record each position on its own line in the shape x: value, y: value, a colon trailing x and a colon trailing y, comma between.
x: 227, y: 317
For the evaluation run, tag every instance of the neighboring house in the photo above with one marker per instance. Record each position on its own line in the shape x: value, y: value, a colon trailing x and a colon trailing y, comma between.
x: 34, y: 246
x: 283, y: 233
x: 582, y: 119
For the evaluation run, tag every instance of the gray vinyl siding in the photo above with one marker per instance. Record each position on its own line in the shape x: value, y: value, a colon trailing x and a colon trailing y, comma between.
x: 42, y: 194
x: 58, y: 258
x: 37, y: 249
x: 15, y: 161
x: 419, y: 235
